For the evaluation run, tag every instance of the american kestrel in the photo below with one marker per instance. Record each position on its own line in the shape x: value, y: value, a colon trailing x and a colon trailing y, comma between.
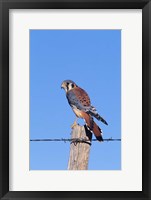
x: 81, y: 105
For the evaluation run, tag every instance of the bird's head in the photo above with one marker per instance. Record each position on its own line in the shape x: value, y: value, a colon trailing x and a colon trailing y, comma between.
x: 68, y: 85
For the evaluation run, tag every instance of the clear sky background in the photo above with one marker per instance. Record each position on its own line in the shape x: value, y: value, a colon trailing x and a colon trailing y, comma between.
x: 92, y: 59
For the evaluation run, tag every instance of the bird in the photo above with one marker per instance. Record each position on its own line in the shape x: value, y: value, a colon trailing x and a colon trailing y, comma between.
x: 80, y: 103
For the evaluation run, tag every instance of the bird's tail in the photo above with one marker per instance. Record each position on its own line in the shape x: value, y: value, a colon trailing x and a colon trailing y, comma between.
x: 93, y: 127
x: 97, y: 132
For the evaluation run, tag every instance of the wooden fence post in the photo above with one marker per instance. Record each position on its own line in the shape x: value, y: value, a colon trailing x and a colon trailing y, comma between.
x: 79, y: 150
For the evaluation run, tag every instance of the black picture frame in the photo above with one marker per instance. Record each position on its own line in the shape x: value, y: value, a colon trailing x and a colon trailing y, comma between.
x: 5, y: 5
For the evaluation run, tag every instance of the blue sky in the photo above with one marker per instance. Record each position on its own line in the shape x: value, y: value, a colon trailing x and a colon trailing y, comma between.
x: 92, y: 59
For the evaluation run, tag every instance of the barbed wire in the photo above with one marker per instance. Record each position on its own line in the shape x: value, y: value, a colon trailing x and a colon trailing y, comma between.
x: 73, y: 140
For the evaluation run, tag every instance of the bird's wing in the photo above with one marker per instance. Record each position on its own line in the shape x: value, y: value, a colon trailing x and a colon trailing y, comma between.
x: 92, y: 111
x: 79, y: 98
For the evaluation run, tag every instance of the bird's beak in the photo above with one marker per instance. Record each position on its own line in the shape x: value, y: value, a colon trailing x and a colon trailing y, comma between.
x: 62, y: 86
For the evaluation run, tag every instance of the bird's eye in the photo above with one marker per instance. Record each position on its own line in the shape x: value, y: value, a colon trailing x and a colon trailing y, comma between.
x: 72, y: 85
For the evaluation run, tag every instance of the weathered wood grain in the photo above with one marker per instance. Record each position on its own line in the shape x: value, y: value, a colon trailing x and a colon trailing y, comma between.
x: 79, y: 151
